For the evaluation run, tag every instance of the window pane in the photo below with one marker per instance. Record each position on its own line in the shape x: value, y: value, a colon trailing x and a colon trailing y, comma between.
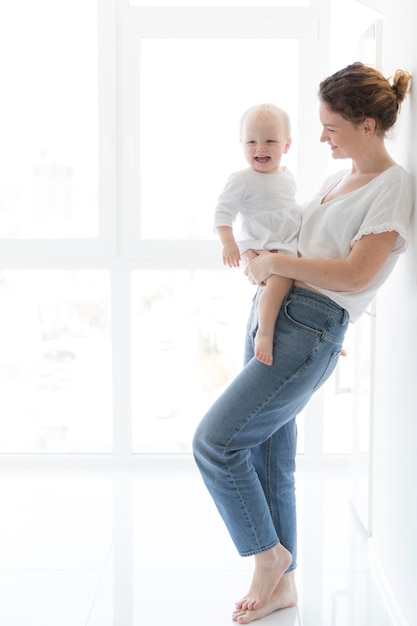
x: 188, y: 334
x: 189, y: 124
x: 49, y: 122
x: 55, y: 361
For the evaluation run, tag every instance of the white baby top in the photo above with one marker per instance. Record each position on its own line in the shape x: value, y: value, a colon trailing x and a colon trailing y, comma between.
x: 267, y: 209
x: 331, y: 229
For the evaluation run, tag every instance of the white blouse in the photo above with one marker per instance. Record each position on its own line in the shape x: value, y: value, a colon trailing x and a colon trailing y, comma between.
x: 331, y: 229
x: 268, y: 213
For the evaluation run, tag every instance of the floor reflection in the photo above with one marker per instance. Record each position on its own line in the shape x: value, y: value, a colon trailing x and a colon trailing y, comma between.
x: 146, y: 547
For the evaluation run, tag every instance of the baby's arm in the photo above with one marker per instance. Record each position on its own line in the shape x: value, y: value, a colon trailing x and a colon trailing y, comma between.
x: 231, y: 254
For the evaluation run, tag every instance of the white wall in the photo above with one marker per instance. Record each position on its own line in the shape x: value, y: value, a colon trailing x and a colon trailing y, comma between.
x: 395, y: 470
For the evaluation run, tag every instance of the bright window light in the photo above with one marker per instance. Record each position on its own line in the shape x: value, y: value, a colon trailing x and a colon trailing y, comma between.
x: 49, y: 120
x: 188, y: 330
x: 193, y: 93
x: 55, y: 361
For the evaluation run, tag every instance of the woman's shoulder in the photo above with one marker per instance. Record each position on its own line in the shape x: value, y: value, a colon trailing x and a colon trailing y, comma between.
x: 394, y: 171
x: 397, y: 172
x: 395, y: 181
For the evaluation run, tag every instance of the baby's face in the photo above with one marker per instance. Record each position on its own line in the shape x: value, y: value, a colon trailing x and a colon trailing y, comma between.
x: 264, y: 141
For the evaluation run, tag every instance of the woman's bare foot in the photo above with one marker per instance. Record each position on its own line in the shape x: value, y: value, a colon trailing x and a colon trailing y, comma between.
x: 284, y: 596
x: 263, y: 347
x: 269, y: 568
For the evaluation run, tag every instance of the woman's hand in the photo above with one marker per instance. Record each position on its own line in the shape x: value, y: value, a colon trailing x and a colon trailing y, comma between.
x: 259, y: 269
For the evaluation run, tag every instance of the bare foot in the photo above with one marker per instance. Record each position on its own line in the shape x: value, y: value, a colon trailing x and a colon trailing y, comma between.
x: 269, y: 568
x: 284, y: 596
x: 263, y: 347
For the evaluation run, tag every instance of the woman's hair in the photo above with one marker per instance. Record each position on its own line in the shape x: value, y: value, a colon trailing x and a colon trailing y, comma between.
x: 359, y: 91
x: 262, y: 111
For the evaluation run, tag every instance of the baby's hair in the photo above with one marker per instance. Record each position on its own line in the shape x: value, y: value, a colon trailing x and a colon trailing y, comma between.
x: 262, y: 111
x: 359, y: 91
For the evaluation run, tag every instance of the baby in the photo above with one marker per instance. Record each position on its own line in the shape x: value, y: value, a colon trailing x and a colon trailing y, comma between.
x: 264, y: 198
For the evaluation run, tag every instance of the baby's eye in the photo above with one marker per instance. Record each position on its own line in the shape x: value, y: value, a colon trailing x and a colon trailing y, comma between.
x: 272, y: 141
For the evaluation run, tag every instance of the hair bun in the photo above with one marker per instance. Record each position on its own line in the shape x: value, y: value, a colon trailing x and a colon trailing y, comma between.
x: 401, y: 84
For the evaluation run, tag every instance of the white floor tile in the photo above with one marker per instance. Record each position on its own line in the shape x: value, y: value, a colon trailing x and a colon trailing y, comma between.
x: 179, y: 598
x: 63, y: 541
x: 56, y: 492
x: 130, y: 548
x: 47, y: 598
x: 341, y: 599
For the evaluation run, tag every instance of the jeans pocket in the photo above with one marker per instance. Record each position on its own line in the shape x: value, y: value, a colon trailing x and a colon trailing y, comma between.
x: 302, y: 314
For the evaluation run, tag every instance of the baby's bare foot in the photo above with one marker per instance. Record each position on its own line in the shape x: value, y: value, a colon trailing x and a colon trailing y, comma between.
x: 269, y: 568
x: 264, y: 347
x: 283, y: 597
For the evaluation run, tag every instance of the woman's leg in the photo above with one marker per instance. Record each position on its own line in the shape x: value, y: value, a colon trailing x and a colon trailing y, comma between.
x: 274, y: 462
x: 259, y: 402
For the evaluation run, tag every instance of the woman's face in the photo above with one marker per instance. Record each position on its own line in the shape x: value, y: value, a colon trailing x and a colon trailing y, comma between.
x: 346, y: 140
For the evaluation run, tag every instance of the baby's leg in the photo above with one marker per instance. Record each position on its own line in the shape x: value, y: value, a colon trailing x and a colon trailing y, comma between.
x: 274, y: 292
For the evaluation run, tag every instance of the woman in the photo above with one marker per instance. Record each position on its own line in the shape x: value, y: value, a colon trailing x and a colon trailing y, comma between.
x: 351, y: 235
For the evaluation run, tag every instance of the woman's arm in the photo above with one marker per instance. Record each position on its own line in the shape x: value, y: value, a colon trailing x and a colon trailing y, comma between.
x: 352, y: 273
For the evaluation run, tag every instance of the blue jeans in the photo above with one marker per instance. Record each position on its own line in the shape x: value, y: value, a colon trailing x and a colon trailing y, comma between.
x: 245, y: 445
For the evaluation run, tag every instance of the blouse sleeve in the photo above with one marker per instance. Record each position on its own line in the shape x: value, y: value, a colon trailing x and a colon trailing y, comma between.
x: 390, y: 207
x: 229, y: 201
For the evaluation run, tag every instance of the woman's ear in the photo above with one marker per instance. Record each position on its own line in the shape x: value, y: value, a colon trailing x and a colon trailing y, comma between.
x: 369, y: 126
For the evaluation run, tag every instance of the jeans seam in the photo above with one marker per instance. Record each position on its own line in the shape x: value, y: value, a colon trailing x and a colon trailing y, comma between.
x: 246, y: 511
x: 268, y: 477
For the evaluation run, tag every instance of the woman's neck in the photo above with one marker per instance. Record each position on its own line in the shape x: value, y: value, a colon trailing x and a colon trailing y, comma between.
x: 373, y: 161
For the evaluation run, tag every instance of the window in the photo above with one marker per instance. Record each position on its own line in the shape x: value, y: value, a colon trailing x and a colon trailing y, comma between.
x: 121, y: 324
x: 55, y: 361
x: 49, y: 126
x: 57, y: 160
x: 189, y: 77
x: 188, y: 328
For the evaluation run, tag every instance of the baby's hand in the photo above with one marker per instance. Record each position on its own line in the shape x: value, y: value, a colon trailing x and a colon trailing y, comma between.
x: 231, y: 255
